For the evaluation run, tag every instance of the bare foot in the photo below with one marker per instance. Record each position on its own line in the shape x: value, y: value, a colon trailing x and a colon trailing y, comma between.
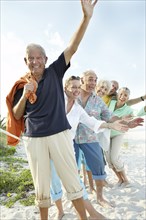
x: 98, y: 216
x: 104, y: 203
x: 126, y: 184
x: 119, y: 183
x: 106, y: 184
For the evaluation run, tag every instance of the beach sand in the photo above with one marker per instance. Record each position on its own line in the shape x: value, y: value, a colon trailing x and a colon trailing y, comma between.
x: 130, y: 203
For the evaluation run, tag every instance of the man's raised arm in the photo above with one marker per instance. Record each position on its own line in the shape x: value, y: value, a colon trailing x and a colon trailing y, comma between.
x: 87, y: 8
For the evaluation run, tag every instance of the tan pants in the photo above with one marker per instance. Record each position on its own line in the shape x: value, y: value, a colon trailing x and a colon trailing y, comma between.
x: 59, y: 148
x: 113, y: 154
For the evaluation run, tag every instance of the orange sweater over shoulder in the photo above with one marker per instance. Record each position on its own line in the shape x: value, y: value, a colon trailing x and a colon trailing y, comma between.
x: 16, y: 127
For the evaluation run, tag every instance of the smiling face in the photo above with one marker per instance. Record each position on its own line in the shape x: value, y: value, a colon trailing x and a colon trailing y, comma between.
x: 35, y: 60
x: 73, y: 88
x: 114, y: 88
x: 123, y: 95
x: 89, y: 81
x: 102, y: 88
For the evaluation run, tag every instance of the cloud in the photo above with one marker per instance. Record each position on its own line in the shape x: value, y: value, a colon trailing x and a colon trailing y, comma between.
x: 53, y: 37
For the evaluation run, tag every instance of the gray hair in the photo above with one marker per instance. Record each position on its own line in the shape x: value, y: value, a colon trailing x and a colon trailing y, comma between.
x: 125, y: 89
x: 88, y: 72
x: 35, y: 46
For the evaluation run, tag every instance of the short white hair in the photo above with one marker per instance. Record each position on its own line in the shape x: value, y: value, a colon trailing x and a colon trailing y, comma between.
x: 35, y: 46
x: 125, y: 89
x: 88, y: 72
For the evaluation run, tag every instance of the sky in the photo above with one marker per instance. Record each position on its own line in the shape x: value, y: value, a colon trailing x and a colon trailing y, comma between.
x: 113, y: 46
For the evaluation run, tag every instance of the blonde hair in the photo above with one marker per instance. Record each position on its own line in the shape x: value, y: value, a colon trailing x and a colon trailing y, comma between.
x: 105, y: 83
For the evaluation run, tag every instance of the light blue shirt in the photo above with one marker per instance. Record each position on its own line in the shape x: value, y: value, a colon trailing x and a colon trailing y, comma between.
x: 97, y: 108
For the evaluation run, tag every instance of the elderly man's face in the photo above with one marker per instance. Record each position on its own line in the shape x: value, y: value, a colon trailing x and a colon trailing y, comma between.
x: 114, y: 88
x: 89, y: 82
x: 36, y: 61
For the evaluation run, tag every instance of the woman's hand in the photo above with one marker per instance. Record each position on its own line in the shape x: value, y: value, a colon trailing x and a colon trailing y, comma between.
x: 119, y: 126
x: 135, y: 122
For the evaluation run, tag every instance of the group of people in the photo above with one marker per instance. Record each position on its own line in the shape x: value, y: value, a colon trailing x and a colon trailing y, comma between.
x: 118, y: 103
x: 59, y: 122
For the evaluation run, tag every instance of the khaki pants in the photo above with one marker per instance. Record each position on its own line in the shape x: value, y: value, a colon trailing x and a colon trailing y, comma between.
x: 113, y: 154
x: 59, y: 148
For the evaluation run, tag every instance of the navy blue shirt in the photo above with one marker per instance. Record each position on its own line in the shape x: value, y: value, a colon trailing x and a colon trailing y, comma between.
x: 47, y: 115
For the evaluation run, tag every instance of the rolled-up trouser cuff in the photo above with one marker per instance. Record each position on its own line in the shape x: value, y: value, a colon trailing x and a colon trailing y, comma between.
x: 75, y: 195
x: 56, y: 196
x: 85, y: 194
x: 99, y: 177
x: 46, y: 203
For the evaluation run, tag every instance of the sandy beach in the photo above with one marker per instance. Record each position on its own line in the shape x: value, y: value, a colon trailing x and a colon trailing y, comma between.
x: 130, y: 203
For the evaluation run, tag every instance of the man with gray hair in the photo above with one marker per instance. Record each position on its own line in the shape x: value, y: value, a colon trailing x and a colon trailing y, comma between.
x: 38, y: 102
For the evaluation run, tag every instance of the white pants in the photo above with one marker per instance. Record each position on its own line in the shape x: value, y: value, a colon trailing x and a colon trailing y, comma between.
x: 112, y: 155
x: 59, y: 148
